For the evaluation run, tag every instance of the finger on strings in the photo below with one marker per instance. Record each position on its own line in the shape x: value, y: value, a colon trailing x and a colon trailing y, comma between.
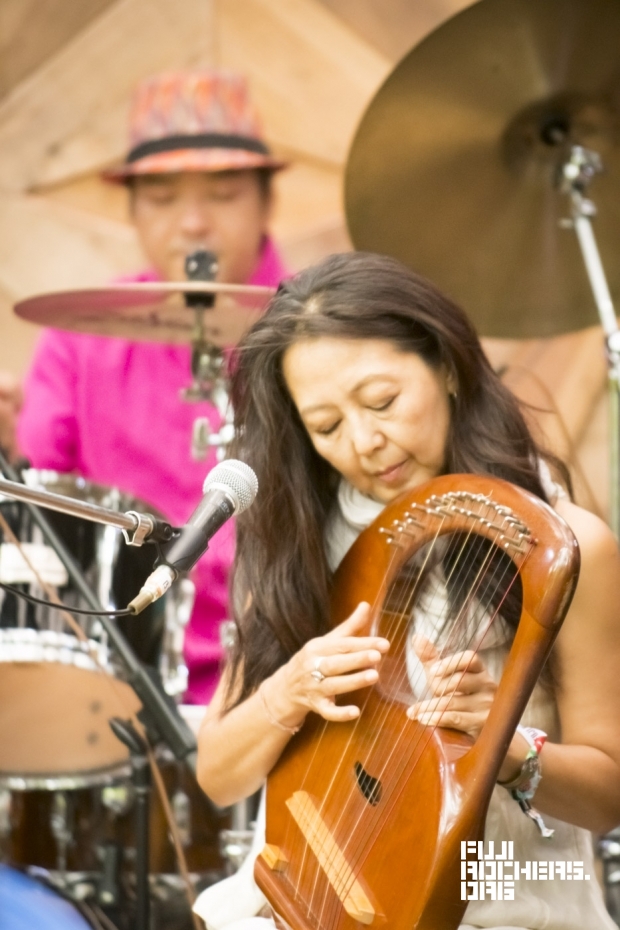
x: 356, y: 621
x: 449, y: 719
x: 343, y: 684
x: 359, y: 644
x: 460, y: 683
x: 425, y: 650
x: 431, y: 706
x: 359, y: 619
x: 467, y: 661
x: 342, y: 664
x: 336, y: 713
x: 460, y: 703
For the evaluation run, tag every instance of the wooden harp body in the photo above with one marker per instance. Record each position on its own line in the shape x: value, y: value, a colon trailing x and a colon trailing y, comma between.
x: 365, y: 819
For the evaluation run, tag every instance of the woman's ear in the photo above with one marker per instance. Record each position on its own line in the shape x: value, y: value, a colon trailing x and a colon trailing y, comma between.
x: 451, y: 384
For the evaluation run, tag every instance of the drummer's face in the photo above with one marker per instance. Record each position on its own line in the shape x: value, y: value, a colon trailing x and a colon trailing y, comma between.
x: 379, y: 415
x: 225, y: 212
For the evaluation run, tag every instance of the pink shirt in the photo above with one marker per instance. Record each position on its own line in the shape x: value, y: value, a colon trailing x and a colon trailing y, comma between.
x: 110, y: 410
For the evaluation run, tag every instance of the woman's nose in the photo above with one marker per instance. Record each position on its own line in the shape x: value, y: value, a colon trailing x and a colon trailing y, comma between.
x: 367, y: 438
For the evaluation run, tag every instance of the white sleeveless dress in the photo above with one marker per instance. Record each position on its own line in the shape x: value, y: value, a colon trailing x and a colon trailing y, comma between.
x: 538, y: 905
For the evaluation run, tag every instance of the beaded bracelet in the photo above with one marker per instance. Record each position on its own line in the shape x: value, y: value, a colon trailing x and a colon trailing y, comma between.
x: 523, y: 786
x: 272, y: 720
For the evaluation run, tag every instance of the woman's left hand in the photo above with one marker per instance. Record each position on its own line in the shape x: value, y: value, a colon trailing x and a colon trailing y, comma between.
x: 462, y: 689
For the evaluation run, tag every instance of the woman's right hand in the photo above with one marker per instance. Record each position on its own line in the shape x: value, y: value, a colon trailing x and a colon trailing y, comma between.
x: 238, y: 748
x: 330, y: 665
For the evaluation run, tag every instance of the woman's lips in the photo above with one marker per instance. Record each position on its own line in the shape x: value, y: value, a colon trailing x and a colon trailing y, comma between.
x: 393, y: 474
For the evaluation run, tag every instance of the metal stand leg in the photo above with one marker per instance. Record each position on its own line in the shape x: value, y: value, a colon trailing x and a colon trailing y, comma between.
x: 125, y: 731
x: 609, y: 852
x: 576, y: 173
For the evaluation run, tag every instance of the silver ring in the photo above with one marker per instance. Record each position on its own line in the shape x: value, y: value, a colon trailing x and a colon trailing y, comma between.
x: 316, y: 673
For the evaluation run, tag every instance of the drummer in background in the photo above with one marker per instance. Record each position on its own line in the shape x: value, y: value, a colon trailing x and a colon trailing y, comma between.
x: 199, y: 177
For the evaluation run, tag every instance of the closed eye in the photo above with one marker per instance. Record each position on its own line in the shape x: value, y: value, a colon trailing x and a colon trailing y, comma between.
x: 161, y: 198
x: 385, y: 405
x: 328, y: 430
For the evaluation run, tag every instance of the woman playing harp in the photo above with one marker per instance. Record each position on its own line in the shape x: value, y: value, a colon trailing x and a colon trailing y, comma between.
x: 362, y: 381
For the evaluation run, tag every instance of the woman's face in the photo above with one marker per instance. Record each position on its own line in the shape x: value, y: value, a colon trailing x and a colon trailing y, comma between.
x: 380, y: 416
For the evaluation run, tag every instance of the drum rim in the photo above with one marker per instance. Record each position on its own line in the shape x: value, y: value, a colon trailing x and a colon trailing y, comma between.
x: 48, y: 479
x: 28, y: 645
x: 70, y: 781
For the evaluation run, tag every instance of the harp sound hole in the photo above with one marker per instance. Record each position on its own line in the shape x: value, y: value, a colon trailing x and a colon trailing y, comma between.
x: 369, y: 786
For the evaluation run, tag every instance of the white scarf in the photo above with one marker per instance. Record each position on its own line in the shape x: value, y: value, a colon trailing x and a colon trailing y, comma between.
x: 353, y: 512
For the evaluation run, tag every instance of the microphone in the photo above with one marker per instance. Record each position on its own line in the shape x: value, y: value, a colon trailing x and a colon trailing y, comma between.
x: 229, y: 488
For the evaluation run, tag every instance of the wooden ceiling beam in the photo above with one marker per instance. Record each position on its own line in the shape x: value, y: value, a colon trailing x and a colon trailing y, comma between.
x: 393, y: 27
x: 312, y: 76
x: 70, y: 117
x: 33, y: 30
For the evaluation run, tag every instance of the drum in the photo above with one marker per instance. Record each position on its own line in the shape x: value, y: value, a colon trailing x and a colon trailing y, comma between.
x: 70, y: 833
x: 85, y: 838
x: 25, y: 902
x: 64, y: 832
x: 199, y: 823
x: 57, y: 693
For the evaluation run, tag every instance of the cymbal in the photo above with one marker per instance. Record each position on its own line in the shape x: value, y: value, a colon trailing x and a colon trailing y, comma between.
x: 453, y: 166
x: 153, y: 311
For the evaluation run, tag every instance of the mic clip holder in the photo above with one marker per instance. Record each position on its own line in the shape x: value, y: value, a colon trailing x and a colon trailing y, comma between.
x: 147, y: 529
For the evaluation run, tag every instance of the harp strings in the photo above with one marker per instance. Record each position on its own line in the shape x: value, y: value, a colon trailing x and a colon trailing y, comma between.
x: 462, y: 621
x: 402, y: 606
x: 399, y: 758
x: 397, y: 784
x: 424, y: 576
x: 296, y: 838
x: 470, y: 603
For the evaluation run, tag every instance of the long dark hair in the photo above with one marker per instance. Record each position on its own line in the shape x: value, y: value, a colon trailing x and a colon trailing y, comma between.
x: 281, y: 577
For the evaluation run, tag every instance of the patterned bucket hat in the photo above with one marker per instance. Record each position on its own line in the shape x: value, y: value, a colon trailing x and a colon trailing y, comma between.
x: 193, y: 121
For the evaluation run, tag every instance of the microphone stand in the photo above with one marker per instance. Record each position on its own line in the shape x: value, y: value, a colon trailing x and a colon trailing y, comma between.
x: 125, y: 731
x: 159, y: 713
x: 135, y: 527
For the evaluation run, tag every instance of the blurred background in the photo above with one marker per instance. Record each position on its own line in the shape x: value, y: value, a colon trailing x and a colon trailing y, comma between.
x: 66, y: 74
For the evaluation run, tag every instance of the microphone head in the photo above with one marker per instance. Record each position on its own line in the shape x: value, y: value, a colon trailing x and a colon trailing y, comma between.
x: 237, y: 479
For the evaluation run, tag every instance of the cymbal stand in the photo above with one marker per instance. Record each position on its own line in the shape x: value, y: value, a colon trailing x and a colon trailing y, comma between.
x: 577, y: 170
x: 208, y: 366
x: 125, y: 731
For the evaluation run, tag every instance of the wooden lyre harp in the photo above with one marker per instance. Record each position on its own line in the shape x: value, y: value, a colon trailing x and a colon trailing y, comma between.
x: 365, y: 819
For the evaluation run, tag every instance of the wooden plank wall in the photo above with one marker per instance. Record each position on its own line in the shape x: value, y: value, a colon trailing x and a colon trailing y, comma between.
x: 66, y: 74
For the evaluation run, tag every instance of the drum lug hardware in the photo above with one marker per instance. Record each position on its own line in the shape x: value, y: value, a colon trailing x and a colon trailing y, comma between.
x: 59, y: 827
x: 181, y: 809
x: 108, y: 888
x: 5, y: 813
x: 118, y: 799
x: 235, y: 846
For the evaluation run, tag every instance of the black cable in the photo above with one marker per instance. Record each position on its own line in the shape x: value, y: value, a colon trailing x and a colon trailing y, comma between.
x: 126, y: 612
